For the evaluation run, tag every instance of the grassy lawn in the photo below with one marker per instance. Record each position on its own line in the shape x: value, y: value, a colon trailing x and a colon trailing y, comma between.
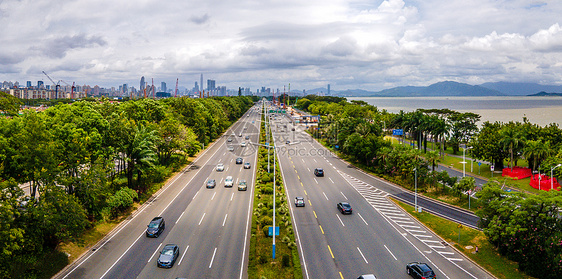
x: 487, y: 256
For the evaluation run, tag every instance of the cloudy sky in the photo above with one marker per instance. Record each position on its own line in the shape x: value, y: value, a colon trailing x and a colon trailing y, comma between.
x: 352, y: 44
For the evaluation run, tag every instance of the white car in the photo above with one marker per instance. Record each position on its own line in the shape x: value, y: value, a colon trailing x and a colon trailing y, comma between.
x: 243, y: 144
x: 220, y: 167
x: 228, y: 182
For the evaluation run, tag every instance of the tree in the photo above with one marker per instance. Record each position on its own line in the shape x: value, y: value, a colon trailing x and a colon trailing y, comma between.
x: 536, y: 151
x: 486, y: 145
x: 433, y: 157
x: 11, y: 234
x: 512, y: 140
x: 9, y: 105
x: 463, y: 127
x: 464, y: 185
x: 140, y: 153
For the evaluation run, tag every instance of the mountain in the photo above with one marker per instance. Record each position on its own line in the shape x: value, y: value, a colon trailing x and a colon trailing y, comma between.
x: 445, y: 88
x: 520, y: 88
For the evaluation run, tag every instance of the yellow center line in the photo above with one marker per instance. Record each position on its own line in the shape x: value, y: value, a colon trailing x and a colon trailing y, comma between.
x: 314, y: 214
x: 296, y: 170
x: 341, y: 275
x: 305, y: 192
x: 309, y: 203
x: 298, y: 176
x: 331, y: 251
x: 302, y: 184
x: 321, y: 229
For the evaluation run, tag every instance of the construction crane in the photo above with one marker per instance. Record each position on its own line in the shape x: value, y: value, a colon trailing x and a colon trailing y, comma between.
x: 57, y: 85
x: 176, y: 93
x: 71, y: 88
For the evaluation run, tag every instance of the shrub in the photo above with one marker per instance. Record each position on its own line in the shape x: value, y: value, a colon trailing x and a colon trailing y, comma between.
x: 121, y: 200
x: 286, y: 260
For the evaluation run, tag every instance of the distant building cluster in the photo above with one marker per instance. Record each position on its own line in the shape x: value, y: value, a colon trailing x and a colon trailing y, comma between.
x: 146, y: 90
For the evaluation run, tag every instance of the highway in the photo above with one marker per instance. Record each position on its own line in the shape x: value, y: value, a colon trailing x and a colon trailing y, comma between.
x: 378, y: 238
x: 210, y: 226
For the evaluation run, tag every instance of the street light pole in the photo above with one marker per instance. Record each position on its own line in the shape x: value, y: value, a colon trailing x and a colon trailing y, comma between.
x: 551, y: 177
x: 416, y: 189
x: 274, y: 228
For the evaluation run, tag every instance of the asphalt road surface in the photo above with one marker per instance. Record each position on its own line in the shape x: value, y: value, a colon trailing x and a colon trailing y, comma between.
x: 378, y: 238
x: 210, y: 226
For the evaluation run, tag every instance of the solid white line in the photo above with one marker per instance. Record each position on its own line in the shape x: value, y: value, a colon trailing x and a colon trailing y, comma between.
x: 213, y: 258
x: 213, y: 195
x: 340, y: 220
x: 325, y: 196
x: 343, y: 195
x: 157, y: 249
x: 183, y: 254
x: 201, y: 219
x: 224, y: 220
x: 316, y: 180
x: 195, y: 195
x: 180, y: 217
x: 331, y: 180
x: 362, y: 219
x: 121, y: 256
x: 390, y: 252
x: 315, y: 161
x: 231, y: 196
x: 362, y: 255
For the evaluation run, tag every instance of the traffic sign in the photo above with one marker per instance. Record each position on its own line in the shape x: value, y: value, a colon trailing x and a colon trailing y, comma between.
x: 270, y: 231
x: 397, y: 132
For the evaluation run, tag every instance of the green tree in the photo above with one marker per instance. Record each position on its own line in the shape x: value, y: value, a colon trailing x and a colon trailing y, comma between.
x: 464, y: 185
x: 487, y: 145
x: 511, y: 140
x: 9, y: 105
x: 536, y: 151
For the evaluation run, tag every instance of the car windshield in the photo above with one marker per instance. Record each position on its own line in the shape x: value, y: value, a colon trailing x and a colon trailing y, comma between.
x: 346, y: 205
x: 168, y: 251
x: 428, y: 273
x: 242, y: 182
x: 153, y: 225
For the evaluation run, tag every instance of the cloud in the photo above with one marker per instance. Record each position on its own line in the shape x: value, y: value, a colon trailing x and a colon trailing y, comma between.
x: 58, y: 47
x: 200, y: 19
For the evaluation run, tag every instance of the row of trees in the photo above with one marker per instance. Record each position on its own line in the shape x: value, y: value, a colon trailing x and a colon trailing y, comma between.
x: 87, y: 161
x: 526, y: 228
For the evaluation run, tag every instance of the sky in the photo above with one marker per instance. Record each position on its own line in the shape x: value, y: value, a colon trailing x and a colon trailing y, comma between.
x: 355, y: 44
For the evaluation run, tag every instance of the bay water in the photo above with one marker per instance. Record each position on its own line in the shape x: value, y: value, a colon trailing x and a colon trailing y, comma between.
x: 538, y: 110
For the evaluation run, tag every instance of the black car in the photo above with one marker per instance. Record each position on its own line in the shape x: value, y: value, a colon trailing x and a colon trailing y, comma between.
x: 211, y: 183
x: 155, y: 227
x: 168, y: 256
x: 239, y: 161
x: 247, y: 137
x: 420, y: 270
x: 319, y: 172
x: 345, y: 208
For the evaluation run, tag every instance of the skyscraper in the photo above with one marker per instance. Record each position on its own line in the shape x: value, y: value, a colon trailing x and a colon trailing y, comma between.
x: 28, y: 83
x: 163, y: 87
x: 201, y: 82
x: 328, y: 89
x: 142, y: 84
x: 210, y: 84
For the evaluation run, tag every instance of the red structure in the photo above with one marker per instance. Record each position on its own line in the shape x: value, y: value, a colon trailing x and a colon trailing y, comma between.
x: 545, y: 182
x: 517, y: 173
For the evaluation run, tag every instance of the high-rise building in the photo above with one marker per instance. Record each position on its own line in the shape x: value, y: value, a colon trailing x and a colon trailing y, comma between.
x: 125, y: 89
x: 40, y: 84
x: 328, y: 89
x: 142, y: 84
x: 163, y: 87
x: 196, y: 87
x: 28, y: 83
x: 201, y: 82
x: 210, y: 84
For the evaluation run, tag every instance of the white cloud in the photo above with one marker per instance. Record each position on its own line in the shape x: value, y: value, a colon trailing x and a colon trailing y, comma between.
x: 350, y: 44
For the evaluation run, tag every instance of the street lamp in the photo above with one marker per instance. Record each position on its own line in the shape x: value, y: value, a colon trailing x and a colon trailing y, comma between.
x: 416, y: 189
x: 463, y: 159
x: 551, y: 177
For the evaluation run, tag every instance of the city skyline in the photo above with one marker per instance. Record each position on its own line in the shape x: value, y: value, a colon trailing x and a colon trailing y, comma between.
x: 369, y: 45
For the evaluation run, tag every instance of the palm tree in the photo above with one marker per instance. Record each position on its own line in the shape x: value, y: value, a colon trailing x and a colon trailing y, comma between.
x: 512, y: 140
x: 433, y: 157
x: 537, y: 151
x: 141, y: 153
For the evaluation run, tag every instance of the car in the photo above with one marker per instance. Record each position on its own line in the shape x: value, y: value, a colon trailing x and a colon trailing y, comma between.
x: 211, y: 183
x: 243, y: 144
x: 319, y: 172
x: 240, y: 134
x: 299, y: 202
x: 242, y: 185
x: 155, y: 227
x: 420, y: 270
x: 220, y: 167
x: 367, y: 276
x: 229, y: 140
x: 230, y: 148
x: 239, y: 160
x: 287, y: 142
x: 168, y: 256
x: 247, y: 165
x: 228, y: 182
x: 247, y: 137
x: 292, y: 129
x: 345, y: 208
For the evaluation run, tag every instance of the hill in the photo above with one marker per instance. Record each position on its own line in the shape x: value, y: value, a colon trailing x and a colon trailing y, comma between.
x: 445, y: 88
x: 520, y: 88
